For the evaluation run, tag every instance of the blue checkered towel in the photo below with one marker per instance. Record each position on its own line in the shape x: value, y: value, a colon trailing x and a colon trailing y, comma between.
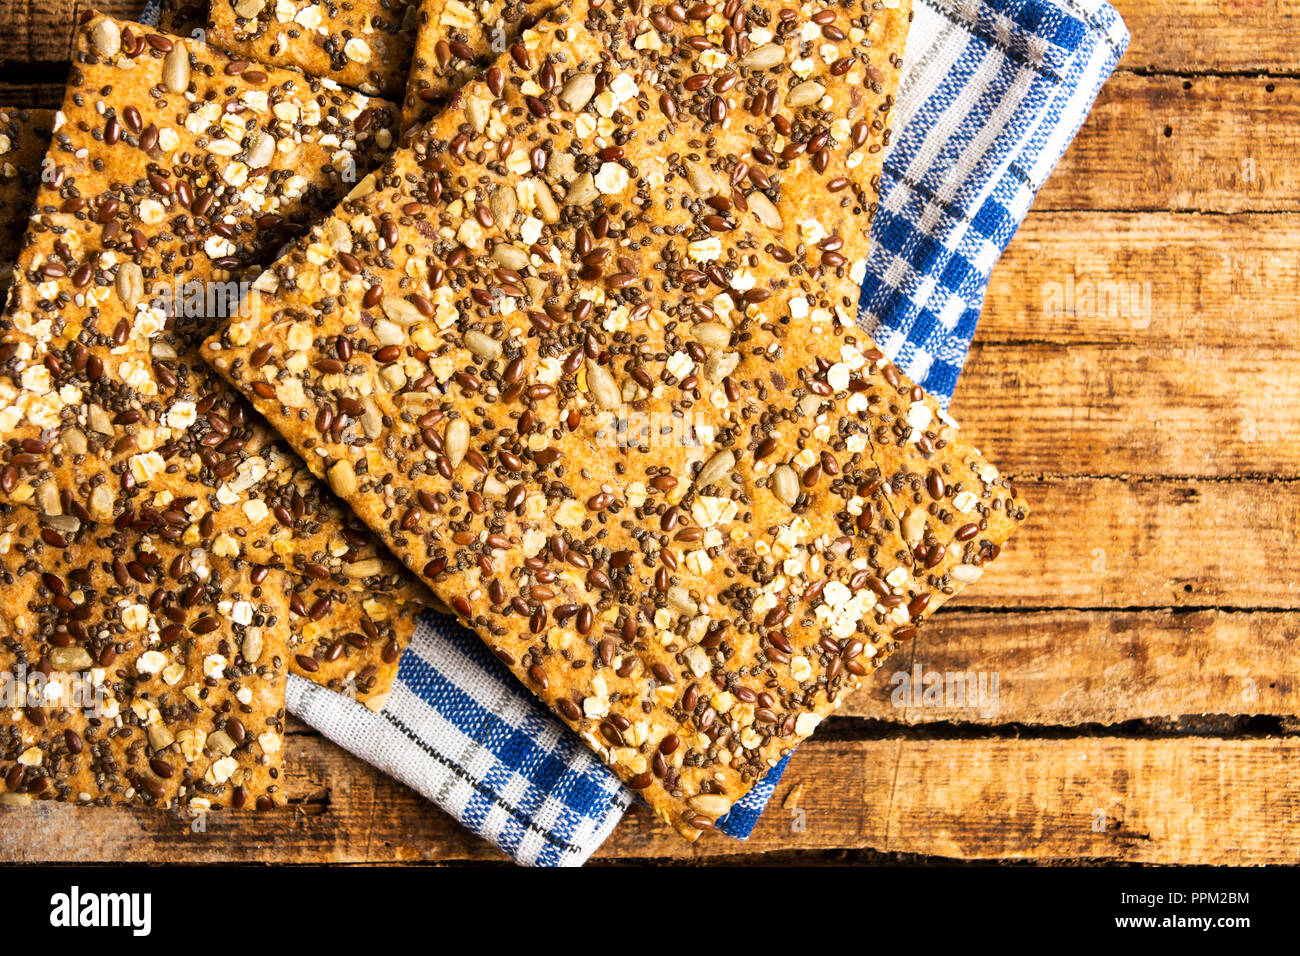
x: 993, y: 92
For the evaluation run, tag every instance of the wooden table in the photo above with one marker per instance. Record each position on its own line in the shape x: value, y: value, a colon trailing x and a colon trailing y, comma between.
x: 1142, y: 626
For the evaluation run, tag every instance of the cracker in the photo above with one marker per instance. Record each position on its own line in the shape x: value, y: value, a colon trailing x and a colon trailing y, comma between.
x: 165, y: 671
x: 24, y: 135
x: 455, y: 42
x: 351, y: 639
x: 363, y: 44
x: 630, y: 428
x: 150, y: 438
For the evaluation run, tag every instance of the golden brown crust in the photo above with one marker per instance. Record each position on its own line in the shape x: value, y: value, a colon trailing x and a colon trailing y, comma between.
x: 164, y: 671
x: 630, y: 432
x: 455, y: 42
x: 362, y: 44
x: 107, y: 414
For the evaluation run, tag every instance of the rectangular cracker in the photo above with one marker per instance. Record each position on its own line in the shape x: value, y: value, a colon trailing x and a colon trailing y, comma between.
x: 632, y: 434
x: 148, y: 435
x: 455, y: 42
x: 362, y: 44
x: 24, y: 135
x: 164, y: 668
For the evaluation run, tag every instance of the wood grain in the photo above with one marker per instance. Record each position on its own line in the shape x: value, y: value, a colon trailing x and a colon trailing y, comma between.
x: 1172, y: 142
x: 1102, y: 798
x: 1154, y: 281
x: 1187, y: 410
x: 1119, y: 543
x: 1230, y: 36
x: 1065, y: 668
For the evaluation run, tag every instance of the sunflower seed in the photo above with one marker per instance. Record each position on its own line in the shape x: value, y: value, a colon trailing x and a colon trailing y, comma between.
x: 106, y: 38
x: 763, y: 208
x: 763, y: 58
x: 70, y: 659
x: 176, y: 69
x: 715, y: 469
x: 577, y: 92
x: 400, y: 311
x: 129, y: 284
x: 342, y: 478
x: 805, y: 94
x: 482, y: 344
x: 785, y: 484
x: 455, y: 440
x: 602, y: 386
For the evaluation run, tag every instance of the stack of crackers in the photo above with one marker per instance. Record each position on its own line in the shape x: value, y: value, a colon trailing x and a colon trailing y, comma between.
x: 565, y: 342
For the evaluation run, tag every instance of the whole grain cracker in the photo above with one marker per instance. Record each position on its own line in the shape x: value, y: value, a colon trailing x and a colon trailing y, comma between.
x: 642, y: 215
x: 150, y: 438
x: 363, y: 44
x: 135, y: 671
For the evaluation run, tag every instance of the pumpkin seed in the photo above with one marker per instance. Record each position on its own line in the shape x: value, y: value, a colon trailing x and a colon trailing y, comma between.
x: 720, y: 364
x: 74, y: 441
x: 680, y: 598
x: 702, y: 180
x: 262, y: 151
x: 582, y: 192
x: 504, y: 205
x: 389, y: 333
x: 511, y: 257
x: 101, y: 503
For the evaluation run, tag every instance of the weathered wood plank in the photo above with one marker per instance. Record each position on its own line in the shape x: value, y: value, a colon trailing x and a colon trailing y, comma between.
x: 1155, y: 801
x: 1151, y: 280
x: 1147, y: 543
x: 1246, y: 36
x: 1171, y: 142
x: 40, y: 31
x: 1069, y: 667
x: 30, y: 95
x: 1187, y: 410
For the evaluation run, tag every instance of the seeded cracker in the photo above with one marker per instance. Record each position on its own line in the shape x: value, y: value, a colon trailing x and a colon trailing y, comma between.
x: 149, y: 674
x: 605, y: 306
x: 363, y: 44
x: 24, y: 134
x: 106, y: 413
x: 455, y: 42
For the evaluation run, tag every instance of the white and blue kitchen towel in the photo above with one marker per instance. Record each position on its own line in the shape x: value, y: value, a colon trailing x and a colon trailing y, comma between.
x: 993, y: 92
